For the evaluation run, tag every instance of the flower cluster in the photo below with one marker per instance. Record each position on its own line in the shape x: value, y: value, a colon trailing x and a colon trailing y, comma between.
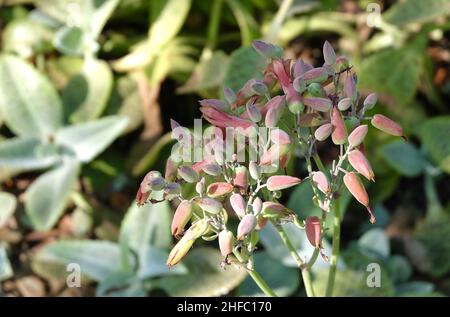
x: 315, y: 104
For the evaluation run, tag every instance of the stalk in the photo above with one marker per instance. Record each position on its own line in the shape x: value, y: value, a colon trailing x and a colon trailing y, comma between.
x: 336, y: 247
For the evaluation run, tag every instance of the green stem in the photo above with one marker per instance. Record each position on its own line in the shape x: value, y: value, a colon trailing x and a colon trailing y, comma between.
x: 306, y: 275
x: 319, y: 163
x: 278, y: 20
x: 256, y: 277
x: 336, y: 247
x: 214, y: 23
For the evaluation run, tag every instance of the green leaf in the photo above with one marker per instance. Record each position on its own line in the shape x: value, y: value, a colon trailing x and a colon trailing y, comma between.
x: 29, y: 103
x: 399, y: 269
x: 26, y: 154
x: 6, y: 271
x: 46, y: 197
x: 283, y: 280
x: 403, y: 157
x: 86, y: 95
x: 208, y: 74
x: 70, y: 40
x: 415, y: 287
x: 152, y: 263
x: 244, y: 64
x: 374, y: 243
x: 205, y: 278
x: 434, y: 135
x: 245, y: 20
x: 120, y: 284
x: 97, y: 259
x: 8, y: 205
x: 394, y: 72
x: 416, y: 11
x: 89, y: 139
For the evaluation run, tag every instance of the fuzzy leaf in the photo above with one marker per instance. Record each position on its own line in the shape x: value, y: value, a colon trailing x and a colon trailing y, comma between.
x: 8, y: 205
x: 403, y: 157
x: 416, y: 11
x: 434, y: 135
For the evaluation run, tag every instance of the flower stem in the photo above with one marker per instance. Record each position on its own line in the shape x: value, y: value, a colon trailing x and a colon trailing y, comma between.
x: 278, y: 20
x: 306, y: 275
x: 335, y: 250
x: 256, y: 277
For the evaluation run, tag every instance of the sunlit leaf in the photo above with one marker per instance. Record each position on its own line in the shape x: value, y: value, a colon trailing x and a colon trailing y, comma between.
x: 8, y: 205
x: 416, y: 11
x: 403, y: 157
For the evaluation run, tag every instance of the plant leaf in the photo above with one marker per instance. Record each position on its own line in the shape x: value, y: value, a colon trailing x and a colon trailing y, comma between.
x: 403, y: 157
x: 89, y: 139
x: 5, y: 266
x: 8, y: 205
x: 46, y: 197
x: 70, y: 40
x: 416, y: 11
x: 29, y: 103
x: 152, y: 263
x: 375, y: 244
x: 434, y: 134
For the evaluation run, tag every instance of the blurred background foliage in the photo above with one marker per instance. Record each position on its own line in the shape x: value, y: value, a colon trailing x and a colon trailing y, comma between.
x: 87, y: 89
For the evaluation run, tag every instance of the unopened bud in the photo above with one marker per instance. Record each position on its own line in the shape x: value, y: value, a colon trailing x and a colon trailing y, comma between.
x: 319, y: 104
x: 208, y: 204
x: 219, y: 189
x: 253, y: 112
x: 360, y: 163
x: 172, y: 190
x: 312, y: 228
x: 255, y: 170
x: 200, y: 186
x: 259, y: 88
x: 322, y: 181
x: 299, y: 84
x: 246, y: 226
x: 387, y: 125
x: 316, y: 75
x: 229, y: 95
x: 356, y: 188
x: 323, y: 132
x: 215, y: 103
x: 339, y: 134
x: 316, y: 90
x: 280, y: 182
x: 171, y: 170
x: 274, y: 114
x: 328, y: 53
x: 267, y: 50
x: 212, y: 169
x: 350, y: 87
x: 272, y: 209
x: 296, y: 107
x: 141, y: 197
x: 240, y: 179
x: 226, y: 242
x: 370, y: 101
x: 149, y: 181
x: 342, y: 63
x: 357, y: 136
x: 279, y: 136
x: 188, y: 174
x: 257, y: 205
x: 344, y: 104
x: 300, y: 67
x: 181, y: 217
x: 238, y: 204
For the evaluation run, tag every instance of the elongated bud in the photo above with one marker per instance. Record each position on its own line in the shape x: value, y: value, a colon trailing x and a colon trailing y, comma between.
x: 279, y: 136
x: 208, y: 204
x: 280, y: 182
x: 200, y: 186
x: 272, y: 209
x: 299, y: 84
x: 246, y: 226
x: 253, y: 112
x: 322, y: 181
x: 188, y: 174
x: 319, y: 104
x: 274, y: 114
x: 171, y: 170
x: 257, y: 205
x: 309, y: 120
x: 183, y: 246
x: 316, y: 90
x: 181, y: 217
x: 229, y: 95
x: 146, y: 184
x: 172, y: 190
x: 238, y: 204
x: 344, y: 104
x: 267, y: 50
x: 212, y: 169
x: 370, y: 101
x: 312, y: 228
x: 387, y: 125
x: 323, y: 132
x: 359, y: 162
x: 357, y: 136
x: 328, y: 53
x: 274, y: 154
x: 215, y: 103
x: 350, y: 87
x: 339, y: 135
x: 219, y: 189
x: 255, y: 170
x: 222, y: 119
x: 157, y: 183
x: 356, y: 188
x: 316, y: 75
x: 259, y: 88
x: 240, y: 179
x: 141, y: 197
x: 226, y: 242
x: 300, y: 67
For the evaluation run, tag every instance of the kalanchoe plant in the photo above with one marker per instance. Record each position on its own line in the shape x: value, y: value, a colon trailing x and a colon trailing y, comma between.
x: 315, y: 104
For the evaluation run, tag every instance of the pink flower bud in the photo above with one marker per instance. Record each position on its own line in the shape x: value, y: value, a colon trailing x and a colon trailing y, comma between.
x: 223, y: 120
x: 280, y: 182
x: 279, y: 136
x: 188, y: 174
x: 219, y: 189
x: 316, y: 75
x: 387, y: 125
x: 152, y: 181
x: 323, y: 132
x: 274, y: 114
x: 181, y: 217
x: 357, y: 136
x: 212, y: 169
x: 238, y: 204
x: 299, y: 84
x: 272, y: 209
x: 141, y: 197
x: 317, y: 103
x: 255, y: 170
x: 300, y: 67
x: 322, y: 182
x: 350, y: 87
x: 257, y: 205
x: 370, y: 101
x: 274, y: 154
x: 259, y: 88
x: 359, y: 162
x: 344, y: 104
x: 229, y: 95
x: 356, y: 188
x: 171, y: 170
x: 309, y: 120
x: 339, y: 135
x: 215, y: 103
x: 208, y: 204
x: 328, y: 53
x: 172, y: 190
x: 240, y: 179
x: 253, y: 112
x: 226, y: 242
x: 246, y: 226
x: 274, y: 102
x: 280, y: 72
x: 174, y: 124
x: 312, y: 229
x: 266, y: 49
